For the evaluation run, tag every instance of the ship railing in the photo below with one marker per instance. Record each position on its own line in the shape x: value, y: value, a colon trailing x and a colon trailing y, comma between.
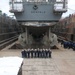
x: 60, y: 6
x: 16, y: 6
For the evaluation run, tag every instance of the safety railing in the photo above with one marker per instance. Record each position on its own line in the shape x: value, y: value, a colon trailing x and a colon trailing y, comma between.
x: 16, y: 6
x: 60, y: 6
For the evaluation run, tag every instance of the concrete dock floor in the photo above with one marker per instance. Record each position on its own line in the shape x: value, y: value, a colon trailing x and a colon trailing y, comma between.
x: 61, y: 63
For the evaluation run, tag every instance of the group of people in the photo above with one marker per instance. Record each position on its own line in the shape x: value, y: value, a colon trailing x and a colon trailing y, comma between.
x: 67, y: 44
x: 36, y: 53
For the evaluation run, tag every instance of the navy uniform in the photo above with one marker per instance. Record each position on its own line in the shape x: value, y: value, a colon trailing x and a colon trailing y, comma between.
x: 41, y: 53
x: 22, y: 54
x: 73, y: 47
x: 38, y: 52
x: 50, y: 53
x: 32, y: 53
x: 35, y: 53
x: 69, y: 45
x: 65, y: 44
x: 28, y: 53
x: 46, y: 53
x: 25, y: 55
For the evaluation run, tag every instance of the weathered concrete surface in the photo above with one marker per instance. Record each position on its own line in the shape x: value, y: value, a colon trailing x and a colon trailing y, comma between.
x: 61, y: 63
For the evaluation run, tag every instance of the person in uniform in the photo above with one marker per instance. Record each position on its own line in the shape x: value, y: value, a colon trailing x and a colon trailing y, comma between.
x: 73, y: 47
x: 43, y: 53
x: 40, y: 53
x: 28, y: 53
x: 32, y: 53
x: 35, y: 53
x: 46, y: 53
x: 25, y: 55
x: 22, y: 54
x: 50, y: 53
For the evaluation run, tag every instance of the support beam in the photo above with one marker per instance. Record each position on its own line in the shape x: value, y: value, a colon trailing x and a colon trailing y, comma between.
x: 26, y: 35
x: 49, y: 32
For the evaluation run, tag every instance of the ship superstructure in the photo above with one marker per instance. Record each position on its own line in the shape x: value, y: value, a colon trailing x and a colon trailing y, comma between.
x: 33, y: 16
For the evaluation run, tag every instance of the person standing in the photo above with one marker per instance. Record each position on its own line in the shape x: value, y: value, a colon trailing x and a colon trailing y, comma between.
x: 46, y: 53
x: 25, y: 55
x: 22, y: 54
x: 28, y: 53
x: 40, y: 53
x: 35, y: 53
x: 43, y: 53
x: 50, y: 52
x: 32, y: 53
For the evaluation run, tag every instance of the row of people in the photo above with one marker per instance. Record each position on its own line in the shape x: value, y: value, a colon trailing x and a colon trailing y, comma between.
x: 36, y: 53
x: 67, y: 44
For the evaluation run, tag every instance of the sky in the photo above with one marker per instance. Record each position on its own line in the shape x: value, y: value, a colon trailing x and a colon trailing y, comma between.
x: 4, y: 6
x: 71, y: 8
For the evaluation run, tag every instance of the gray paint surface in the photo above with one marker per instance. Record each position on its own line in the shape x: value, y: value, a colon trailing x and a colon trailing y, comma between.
x: 44, y: 12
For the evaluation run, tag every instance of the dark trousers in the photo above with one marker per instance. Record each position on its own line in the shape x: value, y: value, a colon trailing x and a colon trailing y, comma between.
x: 22, y: 54
x: 50, y: 54
x: 32, y: 54
x: 46, y: 55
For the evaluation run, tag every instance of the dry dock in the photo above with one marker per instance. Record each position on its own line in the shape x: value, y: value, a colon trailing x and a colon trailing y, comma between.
x: 61, y: 63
